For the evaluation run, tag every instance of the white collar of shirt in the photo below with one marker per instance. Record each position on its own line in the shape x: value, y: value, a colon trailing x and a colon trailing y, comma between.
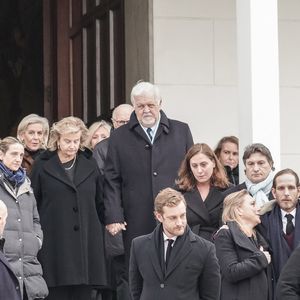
x: 153, y: 128
x: 284, y: 219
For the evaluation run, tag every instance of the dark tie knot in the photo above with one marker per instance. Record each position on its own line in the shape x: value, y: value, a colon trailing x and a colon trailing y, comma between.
x: 170, y: 242
x: 289, y: 217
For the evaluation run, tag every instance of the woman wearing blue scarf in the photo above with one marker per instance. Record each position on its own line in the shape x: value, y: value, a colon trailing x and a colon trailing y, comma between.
x: 23, y: 232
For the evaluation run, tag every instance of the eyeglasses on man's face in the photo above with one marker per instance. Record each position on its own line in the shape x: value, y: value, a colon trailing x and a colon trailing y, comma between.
x: 120, y: 122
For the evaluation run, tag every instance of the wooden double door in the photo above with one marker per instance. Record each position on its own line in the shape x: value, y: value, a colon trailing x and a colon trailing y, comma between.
x: 84, y: 58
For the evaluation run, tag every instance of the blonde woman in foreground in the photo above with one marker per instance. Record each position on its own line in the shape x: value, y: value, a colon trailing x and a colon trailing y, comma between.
x: 243, y: 254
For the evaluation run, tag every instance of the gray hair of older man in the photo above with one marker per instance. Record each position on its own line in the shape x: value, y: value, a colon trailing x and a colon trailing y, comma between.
x: 122, y: 108
x: 145, y: 89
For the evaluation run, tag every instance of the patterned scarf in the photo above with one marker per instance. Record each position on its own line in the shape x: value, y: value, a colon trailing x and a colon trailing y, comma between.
x: 14, y: 177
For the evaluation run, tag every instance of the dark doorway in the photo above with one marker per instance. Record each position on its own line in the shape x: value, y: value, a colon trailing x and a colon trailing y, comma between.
x: 21, y: 62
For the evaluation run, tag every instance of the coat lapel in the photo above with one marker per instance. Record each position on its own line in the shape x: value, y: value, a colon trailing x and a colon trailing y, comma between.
x: 54, y: 168
x: 84, y: 168
x: 196, y: 204
x: 134, y: 125
x: 213, y: 199
x: 297, y: 227
x: 140, y: 131
x: 163, y: 125
x: 155, y: 253
x: 240, y: 238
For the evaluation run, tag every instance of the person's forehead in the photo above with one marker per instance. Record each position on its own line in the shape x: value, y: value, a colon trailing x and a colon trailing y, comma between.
x: 174, y: 210
x: 15, y: 147
x: 286, y: 179
x: 257, y: 156
x: 230, y: 145
x: 145, y: 99
x: 71, y: 135
x: 122, y: 114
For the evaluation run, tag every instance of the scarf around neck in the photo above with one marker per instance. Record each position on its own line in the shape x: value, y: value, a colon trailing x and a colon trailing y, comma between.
x: 260, y: 191
x: 14, y: 177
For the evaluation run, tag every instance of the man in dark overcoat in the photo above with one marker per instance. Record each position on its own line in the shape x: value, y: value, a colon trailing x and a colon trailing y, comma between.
x: 282, y: 232
x: 9, y: 284
x: 143, y: 158
x: 172, y: 262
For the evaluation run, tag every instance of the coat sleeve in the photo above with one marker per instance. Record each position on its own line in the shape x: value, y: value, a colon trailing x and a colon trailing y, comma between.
x: 99, y: 154
x: 135, y: 278
x: 36, y: 222
x: 288, y: 286
x: 35, y: 181
x: 232, y: 268
x: 210, y: 280
x: 190, y: 141
x: 99, y: 197
x: 113, y: 184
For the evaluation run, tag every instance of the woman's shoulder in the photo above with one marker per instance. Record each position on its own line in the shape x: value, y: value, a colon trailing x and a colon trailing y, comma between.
x: 45, y: 155
x: 86, y: 153
x: 227, y: 229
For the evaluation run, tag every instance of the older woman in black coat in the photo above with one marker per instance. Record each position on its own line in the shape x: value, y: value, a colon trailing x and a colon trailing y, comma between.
x: 67, y: 186
x: 242, y: 252
x: 202, y: 179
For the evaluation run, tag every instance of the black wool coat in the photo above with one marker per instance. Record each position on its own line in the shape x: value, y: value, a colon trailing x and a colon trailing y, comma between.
x: 9, y: 284
x: 70, y: 215
x: 204, y: 217
x: 288, y: 285
x: 135, y: 171
x: 192, y: 273
x: 246, y: 274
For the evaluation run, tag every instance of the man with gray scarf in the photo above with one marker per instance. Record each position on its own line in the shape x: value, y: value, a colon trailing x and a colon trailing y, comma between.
x: 259, y: 173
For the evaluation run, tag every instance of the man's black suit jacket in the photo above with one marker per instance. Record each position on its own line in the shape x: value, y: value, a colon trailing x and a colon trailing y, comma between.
x: 193, y: 271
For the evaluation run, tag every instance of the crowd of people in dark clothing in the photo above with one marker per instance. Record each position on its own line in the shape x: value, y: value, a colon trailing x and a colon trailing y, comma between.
x: 134, y: 209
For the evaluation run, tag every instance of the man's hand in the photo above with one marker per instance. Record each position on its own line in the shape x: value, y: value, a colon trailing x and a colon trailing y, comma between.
x: 114, y: 228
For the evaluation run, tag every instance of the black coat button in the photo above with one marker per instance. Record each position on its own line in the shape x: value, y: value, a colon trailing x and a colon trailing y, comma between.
x: 75, y: 209
x: 76, y: 227
x: 147, y: 146
x: 154, y: 174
